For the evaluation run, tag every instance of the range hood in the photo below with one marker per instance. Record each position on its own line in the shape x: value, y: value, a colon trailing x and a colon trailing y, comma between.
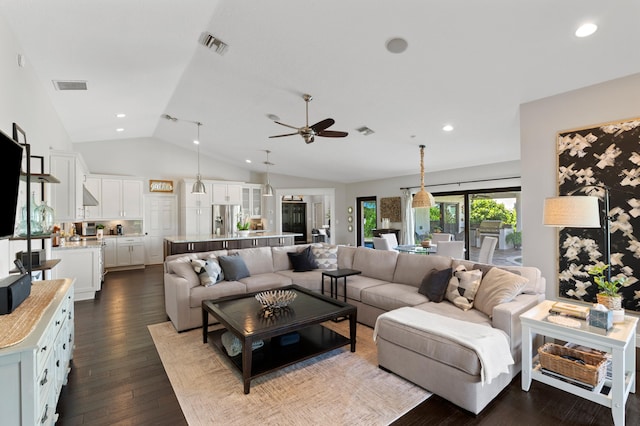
x: 87, y: 198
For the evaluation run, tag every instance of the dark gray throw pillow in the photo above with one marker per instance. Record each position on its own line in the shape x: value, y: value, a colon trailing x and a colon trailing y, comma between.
x: 434, y: 284
x: 303, y: 261
x: 233, y: 267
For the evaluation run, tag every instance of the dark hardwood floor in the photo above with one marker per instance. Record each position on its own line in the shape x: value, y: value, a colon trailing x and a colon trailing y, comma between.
x: 117, y: 377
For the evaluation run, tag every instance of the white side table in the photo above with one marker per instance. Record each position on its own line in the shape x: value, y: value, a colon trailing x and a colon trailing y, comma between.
x: 620, y: 341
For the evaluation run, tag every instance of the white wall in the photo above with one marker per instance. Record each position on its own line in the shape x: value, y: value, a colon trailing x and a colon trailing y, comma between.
x: 539, y: 123
x: 25, y: 102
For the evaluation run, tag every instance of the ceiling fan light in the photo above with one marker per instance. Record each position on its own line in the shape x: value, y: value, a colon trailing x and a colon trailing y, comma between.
x: 198, y: 187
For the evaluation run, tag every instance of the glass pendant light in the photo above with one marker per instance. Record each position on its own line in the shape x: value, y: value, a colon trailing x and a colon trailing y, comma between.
x: 268, y: 189
x: 198, y: 186
x: 422, y: 199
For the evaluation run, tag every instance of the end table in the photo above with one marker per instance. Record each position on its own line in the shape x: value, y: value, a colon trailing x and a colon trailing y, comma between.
x: 334, y: 276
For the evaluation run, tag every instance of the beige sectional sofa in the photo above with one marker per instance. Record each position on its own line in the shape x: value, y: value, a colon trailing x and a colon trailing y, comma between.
x: 389, y: 280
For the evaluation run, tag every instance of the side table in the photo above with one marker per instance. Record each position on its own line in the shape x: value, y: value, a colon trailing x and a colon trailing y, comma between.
x: 334, y: 276
x: 619, y: 341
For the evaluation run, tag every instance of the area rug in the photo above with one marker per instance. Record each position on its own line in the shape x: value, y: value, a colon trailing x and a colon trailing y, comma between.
x: 336, y: 388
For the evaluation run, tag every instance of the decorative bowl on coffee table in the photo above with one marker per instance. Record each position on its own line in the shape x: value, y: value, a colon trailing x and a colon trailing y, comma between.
x: 275, y: 299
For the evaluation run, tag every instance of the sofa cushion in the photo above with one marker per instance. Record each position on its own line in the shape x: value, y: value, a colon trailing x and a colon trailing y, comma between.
x: 326, y: 255
x: 303, y: 261
x: 345, y: 257
x: 434, y: 284
x: 535, y: 285
x: 209, y: 271
x: 234, y: 267
x: 281, y: 260
x: 310, y: 280
x: 392, y: 296
x: 265, y: 281
x: 181, y: 267
x: 355, y: 285
x: 463, y: 287
x: 497, y: 286
x: 411, y: 268
x: 258, y: 260
x: 222, y: 289
x: 380, y: 264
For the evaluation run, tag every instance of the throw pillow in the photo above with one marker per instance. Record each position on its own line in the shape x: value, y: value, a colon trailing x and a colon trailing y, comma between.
x: 434, y: 284
x: 208, y: 271
x: 326, y: 256
x: 463, y: 287
x: 233, y: 267
x: 498, y: 286
x: 303, y: 261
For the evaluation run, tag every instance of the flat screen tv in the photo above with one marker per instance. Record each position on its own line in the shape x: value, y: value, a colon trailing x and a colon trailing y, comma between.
x: 10, y: 164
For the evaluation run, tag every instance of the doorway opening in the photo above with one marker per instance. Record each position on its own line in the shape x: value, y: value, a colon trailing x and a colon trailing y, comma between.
x: 367, y: 213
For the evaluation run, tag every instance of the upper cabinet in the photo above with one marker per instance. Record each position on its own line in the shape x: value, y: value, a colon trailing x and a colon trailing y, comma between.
x: 94, y: 186
x: 66, y: 198
x: 226, y: 193
x: 121, y: 198
x: 252, y: 200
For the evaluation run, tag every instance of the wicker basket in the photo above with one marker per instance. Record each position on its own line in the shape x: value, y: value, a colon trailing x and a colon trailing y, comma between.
x: 592, y: 372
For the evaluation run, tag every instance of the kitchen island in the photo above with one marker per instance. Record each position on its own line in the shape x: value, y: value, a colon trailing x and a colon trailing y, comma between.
x: 198, y: 243
x: 83, y: 261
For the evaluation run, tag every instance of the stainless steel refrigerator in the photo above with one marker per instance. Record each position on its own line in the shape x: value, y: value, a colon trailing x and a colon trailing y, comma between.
x: 224, y: 218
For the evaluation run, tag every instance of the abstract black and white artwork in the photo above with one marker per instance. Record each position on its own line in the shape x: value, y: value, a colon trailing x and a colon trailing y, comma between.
x: 590, y: 159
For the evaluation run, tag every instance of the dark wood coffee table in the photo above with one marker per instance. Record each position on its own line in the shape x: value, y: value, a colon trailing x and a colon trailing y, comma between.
x: 242, y: 316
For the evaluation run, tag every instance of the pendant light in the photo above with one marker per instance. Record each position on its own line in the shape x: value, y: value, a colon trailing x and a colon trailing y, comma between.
x: 268, y: 189
x: 198, y: 186
x: 422, y: 199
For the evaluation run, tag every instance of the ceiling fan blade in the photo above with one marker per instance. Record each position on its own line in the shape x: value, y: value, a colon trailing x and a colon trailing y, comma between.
x: 321, y: 125
x: 280, y: 136
x: 332, y: 134
x: 286, y: 125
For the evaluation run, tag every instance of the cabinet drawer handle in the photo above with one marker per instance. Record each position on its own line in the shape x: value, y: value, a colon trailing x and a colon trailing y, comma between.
x: 44, y: 379
x: 57, y: 322
x: 44, y: 348
x: 45, y: 416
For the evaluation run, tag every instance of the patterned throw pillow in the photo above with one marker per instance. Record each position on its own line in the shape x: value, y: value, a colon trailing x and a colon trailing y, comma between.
x: 326, y: 256
x: 208, y: 271
x: 463, y: 287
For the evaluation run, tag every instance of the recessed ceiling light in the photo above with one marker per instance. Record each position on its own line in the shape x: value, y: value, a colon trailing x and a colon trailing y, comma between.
x: 273, y: 117
x: 447, y: 128
x: 247, y: 161
x: 121, y: 115
x: 397, y: 45
x: 120, y: 129
x: 585, y: 30
x: 196, y: 142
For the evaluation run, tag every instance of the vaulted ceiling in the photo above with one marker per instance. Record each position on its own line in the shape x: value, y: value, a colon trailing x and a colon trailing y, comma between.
x: 467, y: 64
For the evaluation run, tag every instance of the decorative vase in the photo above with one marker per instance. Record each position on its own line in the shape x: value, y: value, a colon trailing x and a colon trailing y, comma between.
x: 46, y: 216
x: 611, y: 302
x: 32, y: 216
x: 243, y: 233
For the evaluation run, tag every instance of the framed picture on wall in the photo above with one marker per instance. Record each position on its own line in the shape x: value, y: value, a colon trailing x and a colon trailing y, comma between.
x: 590, y: 159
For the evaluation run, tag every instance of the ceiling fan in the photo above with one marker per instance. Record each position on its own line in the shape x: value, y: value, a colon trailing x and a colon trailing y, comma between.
x: 309, y: 133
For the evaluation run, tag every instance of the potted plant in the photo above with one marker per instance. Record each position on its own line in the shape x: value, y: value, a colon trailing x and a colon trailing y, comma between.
x: 514, y: 238
x: 426, y: 241
x: 243, y: 227
x: 99, y: 230
x: 608, y: 294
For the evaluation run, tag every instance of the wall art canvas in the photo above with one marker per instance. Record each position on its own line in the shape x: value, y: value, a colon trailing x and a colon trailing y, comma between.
x: 391, y: 207
x: 590, y: 159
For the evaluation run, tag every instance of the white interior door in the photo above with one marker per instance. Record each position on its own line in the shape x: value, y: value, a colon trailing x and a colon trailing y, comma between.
x: 160, y: 221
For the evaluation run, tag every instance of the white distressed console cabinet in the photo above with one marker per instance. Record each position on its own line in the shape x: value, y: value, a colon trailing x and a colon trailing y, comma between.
x: 33, y: 371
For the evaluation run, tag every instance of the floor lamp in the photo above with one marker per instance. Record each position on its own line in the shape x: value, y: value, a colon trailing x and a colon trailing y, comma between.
x: 580, y: 211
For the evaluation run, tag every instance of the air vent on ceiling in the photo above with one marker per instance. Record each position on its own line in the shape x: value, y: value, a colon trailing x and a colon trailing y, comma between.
x: 364, y: 130
x: 209, y: 41
x: 70, y: 84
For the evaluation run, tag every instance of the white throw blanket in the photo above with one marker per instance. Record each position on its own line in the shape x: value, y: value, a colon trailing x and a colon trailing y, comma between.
x: 491, y: 345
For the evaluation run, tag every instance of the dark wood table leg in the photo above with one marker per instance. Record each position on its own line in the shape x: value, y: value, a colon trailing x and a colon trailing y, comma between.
x: 352, y: 331
x: 246, y: 364
x: 322, y: 288
x: 345, y: 290
x: 205, y: 324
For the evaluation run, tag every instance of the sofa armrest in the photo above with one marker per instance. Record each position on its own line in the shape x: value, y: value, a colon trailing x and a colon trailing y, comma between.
x: 506, y: 317
x: 177, y: 292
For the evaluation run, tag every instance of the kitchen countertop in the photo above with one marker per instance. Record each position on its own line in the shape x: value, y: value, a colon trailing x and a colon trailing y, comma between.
x: 79, y: 244
x: 211, y: 237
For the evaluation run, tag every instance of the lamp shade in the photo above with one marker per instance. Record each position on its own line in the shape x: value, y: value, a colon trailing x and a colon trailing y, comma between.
x: 198, y: 187
x: 268, y: 190
x: 572, y: 212
x: 422, y: 199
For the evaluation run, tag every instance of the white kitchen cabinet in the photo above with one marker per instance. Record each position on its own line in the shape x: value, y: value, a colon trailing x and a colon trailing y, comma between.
x: 66, y: 197
x: 226, y: 193
x: 94, y: 186
x: 195, y: 221
x: 82, y: 263
x: 33, y: 371
x: 110, y: 252
x: 252, y: 200
x: 121, y: 198
x: 130, y: 251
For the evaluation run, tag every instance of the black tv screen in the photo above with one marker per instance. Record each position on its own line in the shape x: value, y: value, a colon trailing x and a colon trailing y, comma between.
x: 10, y: 164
